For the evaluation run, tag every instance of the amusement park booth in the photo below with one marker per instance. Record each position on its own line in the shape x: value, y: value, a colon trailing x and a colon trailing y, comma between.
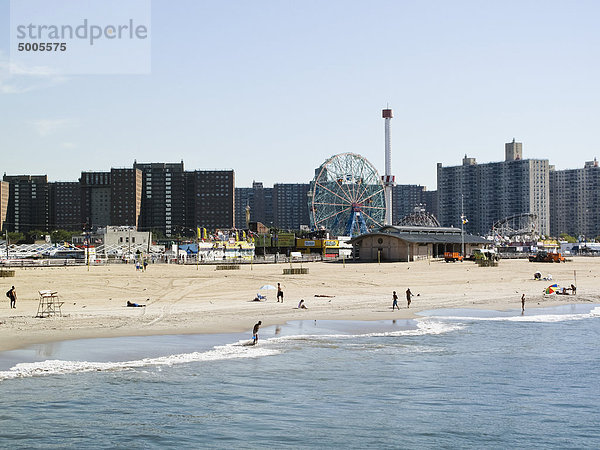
x: 411, y: 243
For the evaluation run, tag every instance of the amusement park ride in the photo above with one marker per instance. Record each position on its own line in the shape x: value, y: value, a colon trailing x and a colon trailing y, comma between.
x: 348, y: 197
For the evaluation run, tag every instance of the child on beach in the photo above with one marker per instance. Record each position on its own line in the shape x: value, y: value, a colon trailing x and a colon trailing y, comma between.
x: 301, y: 305
x: 408, y: 297
x: 395, y: 301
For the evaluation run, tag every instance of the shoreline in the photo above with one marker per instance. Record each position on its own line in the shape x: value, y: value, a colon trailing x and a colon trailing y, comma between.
x: 200, y: 300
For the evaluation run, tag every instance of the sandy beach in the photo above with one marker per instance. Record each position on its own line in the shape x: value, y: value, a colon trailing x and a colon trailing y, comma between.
x: 189, y: 299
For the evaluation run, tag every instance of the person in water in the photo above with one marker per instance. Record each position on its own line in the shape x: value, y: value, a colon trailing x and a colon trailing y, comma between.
x: 255, y: 332
x: 395, y: 301
x: 523, y: 302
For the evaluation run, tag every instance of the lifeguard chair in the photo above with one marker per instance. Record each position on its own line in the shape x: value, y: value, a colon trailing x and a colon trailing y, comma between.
x: 50, y: 304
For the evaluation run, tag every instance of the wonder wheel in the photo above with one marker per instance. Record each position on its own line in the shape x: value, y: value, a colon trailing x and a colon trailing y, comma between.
x: 347, y: 196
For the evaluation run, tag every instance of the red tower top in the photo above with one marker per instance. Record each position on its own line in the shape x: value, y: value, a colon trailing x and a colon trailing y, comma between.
x: 386, y: 114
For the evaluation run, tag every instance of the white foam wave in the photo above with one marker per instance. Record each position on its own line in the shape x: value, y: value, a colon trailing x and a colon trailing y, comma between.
x: 58, y: 367
x: 424, y: 326
x: 230, y: 351
x: 545, y: 318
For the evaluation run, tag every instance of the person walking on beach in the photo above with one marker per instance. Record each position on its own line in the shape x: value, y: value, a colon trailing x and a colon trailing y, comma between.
x: 395, y: 302
x: 12, y: 295
x: 408, y: 297
x: 255, y: 332
x: 279, y: 293
x: 523, y: 303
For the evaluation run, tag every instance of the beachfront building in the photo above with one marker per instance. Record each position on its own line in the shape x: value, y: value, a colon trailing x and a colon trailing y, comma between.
x: 28, y: 202
x: 210, y: 199
x: 95, y: 199
x: 126, y: 196
x: 163, y: 197
x: 65, y: 205
x: 290, y: 205
x: 411, y: 243
x: 121, y: 241
x: 575, y: 201
x: 486, y: 193
x: 4, y: 193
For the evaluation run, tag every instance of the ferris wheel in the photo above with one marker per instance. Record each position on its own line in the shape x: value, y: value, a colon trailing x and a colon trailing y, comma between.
x: 347, y: 196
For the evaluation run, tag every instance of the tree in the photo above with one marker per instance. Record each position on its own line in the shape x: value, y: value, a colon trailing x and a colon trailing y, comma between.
x: 62, y: 235
x: 16, y: 238
x: 566, y: 237
x: 157, y: 235
x: 34, y: 235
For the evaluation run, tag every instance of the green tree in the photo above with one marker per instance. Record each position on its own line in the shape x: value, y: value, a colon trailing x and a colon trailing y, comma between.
x: 34, y: 235
x: 157, y: 235
x: 62, y: 235
x: 16, y: 238
x: 566, y: 237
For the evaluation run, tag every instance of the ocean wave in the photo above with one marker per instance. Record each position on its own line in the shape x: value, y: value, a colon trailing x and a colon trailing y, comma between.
x: 543, y: 318
x: 423, y: 327
x: 240, y: 349
x: 57, y: 367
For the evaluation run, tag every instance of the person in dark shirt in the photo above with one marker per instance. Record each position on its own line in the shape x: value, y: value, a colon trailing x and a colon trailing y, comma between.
x: 255, y: 332
x: 12, y: 295
x: 395, y: 301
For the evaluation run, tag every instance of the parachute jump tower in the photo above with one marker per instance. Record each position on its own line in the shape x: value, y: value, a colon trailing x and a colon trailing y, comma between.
x: 388, y: 179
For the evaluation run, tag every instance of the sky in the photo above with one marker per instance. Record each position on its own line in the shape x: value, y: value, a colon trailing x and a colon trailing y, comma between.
x: 273, y: 88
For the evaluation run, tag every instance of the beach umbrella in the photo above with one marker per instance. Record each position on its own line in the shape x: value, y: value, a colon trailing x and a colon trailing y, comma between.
x: 551, y: 289
x: 267, y: 287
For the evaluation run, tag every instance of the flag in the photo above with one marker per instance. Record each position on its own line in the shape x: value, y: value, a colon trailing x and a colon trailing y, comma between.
x: 205, y: 234
x: 464, y: 219
x: 243, y: 235
x: 199, y: 233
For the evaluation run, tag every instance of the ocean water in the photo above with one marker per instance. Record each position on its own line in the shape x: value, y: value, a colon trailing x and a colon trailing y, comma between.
x: 450, y: 379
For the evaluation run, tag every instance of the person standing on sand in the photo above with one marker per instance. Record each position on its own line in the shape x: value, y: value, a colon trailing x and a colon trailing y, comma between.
x: 408, y: 297
x: 255, y: 332
x: 395, y: 301
x: 12, y: 295
x: 523, y: 303
x: 279, y: 293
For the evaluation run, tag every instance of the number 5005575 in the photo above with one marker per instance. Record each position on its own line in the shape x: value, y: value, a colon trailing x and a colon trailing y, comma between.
x: 42, y: 47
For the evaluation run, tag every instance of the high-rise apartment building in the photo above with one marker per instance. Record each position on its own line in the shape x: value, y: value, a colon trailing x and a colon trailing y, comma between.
x: 244, y: 198
x: 126, y: 197
x: 65, y: 205
x: 406, y: 197
x: 486, y: 193
x: 95, y: 199
x: 4, y: 194
x: 163, y: 197
x: 575, y: 201
x: 210, y: 199
x: 260, y: 201
x: 290, y: 205
x: 28, y: 203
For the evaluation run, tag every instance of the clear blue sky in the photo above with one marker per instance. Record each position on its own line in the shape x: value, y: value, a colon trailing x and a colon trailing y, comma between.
x: 273, y: 88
